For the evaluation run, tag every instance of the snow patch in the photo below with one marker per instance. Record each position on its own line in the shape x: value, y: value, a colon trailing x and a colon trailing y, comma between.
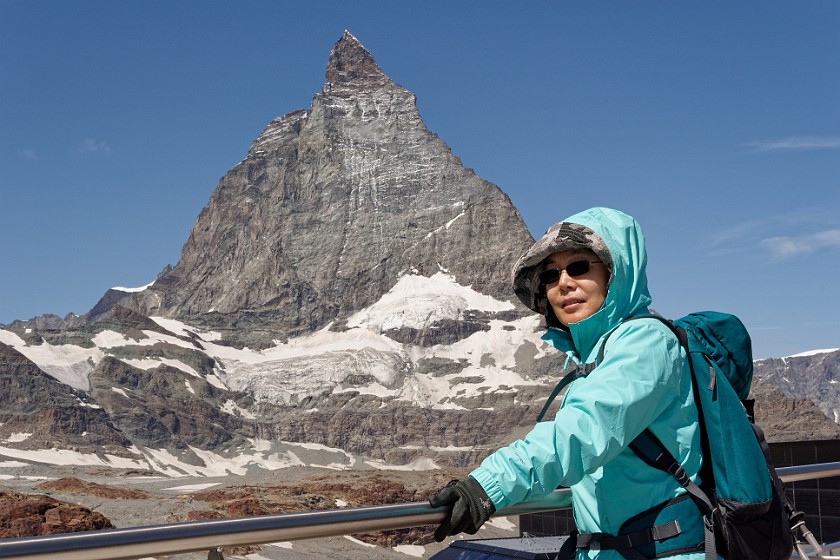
x: 215, y: 464
x: 452, y: 221
x: 12, y: 339
x: 67, y: 363
x: 183, y: 329
x: 193, y: 487
x: 411, y: 550
x: 18, y: 477
x: 813, y: 353
x: 418, y: 302
x: 450, y: 448
x: 152, y: 363
x: 133, y: 290
x: 234, y: 409
x: 419, y: 464
x: 17, y: 437
x: 502, y: 523
x: 263, y: 454
x: 357, y: 541
x: 88, y: 405
x: 110, y: 339
x: 260, y: 445
x: 343, y: 460
x: 67, y: 457
x: 214, y: 380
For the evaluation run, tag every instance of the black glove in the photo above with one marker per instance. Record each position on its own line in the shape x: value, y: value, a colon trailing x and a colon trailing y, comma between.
x: 471, y: 507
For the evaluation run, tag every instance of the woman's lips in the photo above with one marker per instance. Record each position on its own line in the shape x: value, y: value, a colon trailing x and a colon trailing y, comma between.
x: 570, y: 303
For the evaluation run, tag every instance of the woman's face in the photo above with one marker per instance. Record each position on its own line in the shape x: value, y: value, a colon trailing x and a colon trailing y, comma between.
x: 574, y: 298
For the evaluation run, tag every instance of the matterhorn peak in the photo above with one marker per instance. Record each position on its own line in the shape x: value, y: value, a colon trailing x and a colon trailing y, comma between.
x: 332, y: 206
x: 350, y: 62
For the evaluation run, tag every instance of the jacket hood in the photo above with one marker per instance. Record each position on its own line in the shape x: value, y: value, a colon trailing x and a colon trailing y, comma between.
x: 618, y: 241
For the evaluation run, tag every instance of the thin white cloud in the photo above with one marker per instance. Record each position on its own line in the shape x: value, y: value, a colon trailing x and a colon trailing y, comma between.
x: 797, y: 143
x: 91, y: 146
x: 732, y: 235
x: 785, y: 247
x: 803, y: 231
x: 28, y: 155
x: 755, y: 228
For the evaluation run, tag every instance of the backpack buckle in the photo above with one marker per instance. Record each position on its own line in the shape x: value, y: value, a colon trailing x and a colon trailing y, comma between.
x: 679, y: 474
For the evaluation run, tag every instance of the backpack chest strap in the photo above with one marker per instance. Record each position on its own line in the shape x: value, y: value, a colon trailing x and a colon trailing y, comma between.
x: 627, y: 545
x: 670, y: 528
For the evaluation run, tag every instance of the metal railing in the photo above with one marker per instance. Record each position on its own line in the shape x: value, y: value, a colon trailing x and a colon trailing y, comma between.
x: 176, y: 538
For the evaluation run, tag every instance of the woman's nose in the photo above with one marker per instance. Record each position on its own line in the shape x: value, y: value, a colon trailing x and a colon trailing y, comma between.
x: 565, y: 281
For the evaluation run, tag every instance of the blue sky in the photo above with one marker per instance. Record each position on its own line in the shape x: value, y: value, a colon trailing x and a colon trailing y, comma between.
x: 716, y: 124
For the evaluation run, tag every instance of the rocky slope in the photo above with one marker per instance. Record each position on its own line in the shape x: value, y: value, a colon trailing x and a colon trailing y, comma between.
x: 812, y: 376
x: 37, y: 411
x: 789, y: 418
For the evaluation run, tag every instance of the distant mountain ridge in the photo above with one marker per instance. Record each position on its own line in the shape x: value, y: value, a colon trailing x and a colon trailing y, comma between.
x: 811, y: 375
x: 343, y: 300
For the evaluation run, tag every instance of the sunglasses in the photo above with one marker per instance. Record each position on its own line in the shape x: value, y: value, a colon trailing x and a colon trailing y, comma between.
x: 573, y: 269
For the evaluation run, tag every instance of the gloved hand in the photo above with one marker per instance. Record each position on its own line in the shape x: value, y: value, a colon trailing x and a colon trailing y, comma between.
x: 471, y: 507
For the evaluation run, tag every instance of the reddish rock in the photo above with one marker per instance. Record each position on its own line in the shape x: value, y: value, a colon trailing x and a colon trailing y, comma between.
x: 31, y: 515
x: 76, y: 486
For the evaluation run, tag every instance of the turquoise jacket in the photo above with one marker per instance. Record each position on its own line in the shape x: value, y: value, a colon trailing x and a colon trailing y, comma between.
x: 642, y: 382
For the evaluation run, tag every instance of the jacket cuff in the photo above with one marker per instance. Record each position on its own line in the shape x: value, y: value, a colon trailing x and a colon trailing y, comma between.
x: 491, y: 487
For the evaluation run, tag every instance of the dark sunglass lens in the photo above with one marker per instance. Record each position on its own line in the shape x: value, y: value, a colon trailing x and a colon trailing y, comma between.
x: 577, y: 268
x: 549, y: 276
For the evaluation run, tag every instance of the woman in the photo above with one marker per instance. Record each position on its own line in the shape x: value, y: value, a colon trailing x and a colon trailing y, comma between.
x: 586, y: 275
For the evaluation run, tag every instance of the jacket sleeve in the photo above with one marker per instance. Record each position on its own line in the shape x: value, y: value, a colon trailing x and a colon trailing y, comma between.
x: 600, y: 415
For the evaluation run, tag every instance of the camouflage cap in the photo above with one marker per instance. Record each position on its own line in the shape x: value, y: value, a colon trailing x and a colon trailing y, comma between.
x: 559, y: 237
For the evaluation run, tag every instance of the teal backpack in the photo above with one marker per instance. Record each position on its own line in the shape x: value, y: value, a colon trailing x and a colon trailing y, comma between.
x: 744, y: 510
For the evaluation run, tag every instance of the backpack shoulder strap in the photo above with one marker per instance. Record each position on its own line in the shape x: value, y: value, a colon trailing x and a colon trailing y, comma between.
x: 706, y: 473
x: 651, y: 450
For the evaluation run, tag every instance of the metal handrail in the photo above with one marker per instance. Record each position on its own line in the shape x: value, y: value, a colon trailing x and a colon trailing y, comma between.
x: 808, y: 472
x: 176, y: 538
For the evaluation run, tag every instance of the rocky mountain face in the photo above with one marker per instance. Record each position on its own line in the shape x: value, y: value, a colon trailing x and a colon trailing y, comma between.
x: 330, y: 206
x: 37, y: 411
x: 813, y: 377
x: 343, y: 300
x: 787, y: 418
